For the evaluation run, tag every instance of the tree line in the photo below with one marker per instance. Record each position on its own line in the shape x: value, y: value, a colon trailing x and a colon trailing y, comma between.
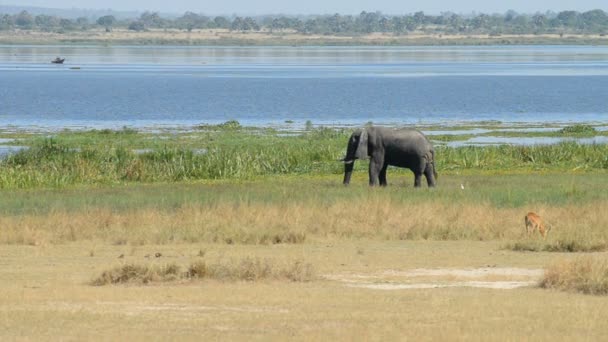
x: 511, y: 22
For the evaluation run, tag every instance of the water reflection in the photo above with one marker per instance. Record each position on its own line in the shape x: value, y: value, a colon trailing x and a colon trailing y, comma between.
x: 188, y: 55
x: 489, y: 140
x: 6, y: 150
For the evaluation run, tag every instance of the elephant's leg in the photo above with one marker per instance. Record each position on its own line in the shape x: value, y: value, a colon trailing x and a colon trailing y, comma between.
x: 418, y: 170
x: 348, y: 171
x: 417, y: 179
x: 383, y: 175
x: 430, y: 175
x: 375, y: 166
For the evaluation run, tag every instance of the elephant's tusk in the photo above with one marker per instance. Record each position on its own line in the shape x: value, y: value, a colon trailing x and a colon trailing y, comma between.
x: 347, y: 161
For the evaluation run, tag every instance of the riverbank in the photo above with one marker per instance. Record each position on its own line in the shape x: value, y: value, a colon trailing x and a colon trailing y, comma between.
x: 220, y: 37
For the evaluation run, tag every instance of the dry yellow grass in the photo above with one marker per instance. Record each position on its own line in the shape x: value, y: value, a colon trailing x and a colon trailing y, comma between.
x: 587, y: 275
x: 375, y: 217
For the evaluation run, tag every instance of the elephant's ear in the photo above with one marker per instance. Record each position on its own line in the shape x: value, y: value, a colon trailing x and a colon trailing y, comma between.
x: 362, y: 147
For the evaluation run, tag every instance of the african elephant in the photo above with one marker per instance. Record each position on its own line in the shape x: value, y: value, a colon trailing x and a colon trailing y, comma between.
x: 385, y: 146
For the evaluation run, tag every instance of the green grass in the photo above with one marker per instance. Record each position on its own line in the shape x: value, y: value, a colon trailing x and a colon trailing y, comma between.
x: 229, y: 152
x: 503, y: 191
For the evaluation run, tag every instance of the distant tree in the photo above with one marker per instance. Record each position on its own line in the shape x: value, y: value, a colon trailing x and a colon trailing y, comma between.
x: 244, y: 24
x: 595, y: 20
x: 82, y: 22
x: 137, y: 26
x: 151, y: 20
x: 385, y: 25
x: 568, y: 18
x: 510, y: 15
x: 221, y: 22
x: 251, y: 24
x: 456, y: 23
x: 106, y: 21
x: 24, y: 20
x: 367, y: 22
x: 67, y: 24
x: 539, y: 21
x: 419, y: 18
x: 6, y: 22
x: 47, y: 22
x: 238, y: 24
x: 188, y: 21
x: 481, y: 21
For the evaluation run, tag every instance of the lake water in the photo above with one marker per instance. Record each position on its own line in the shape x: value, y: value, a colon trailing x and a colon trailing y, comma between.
x: 100, y: 87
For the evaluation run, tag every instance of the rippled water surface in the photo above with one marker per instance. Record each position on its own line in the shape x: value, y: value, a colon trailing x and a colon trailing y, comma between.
x: 175, y: 86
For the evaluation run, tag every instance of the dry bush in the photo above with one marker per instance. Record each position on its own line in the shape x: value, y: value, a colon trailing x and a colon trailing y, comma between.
x: 587, y: 275
x: 138, y: 274
x: 247, y: 269
x: 569, y: 246
x: 252, y: 269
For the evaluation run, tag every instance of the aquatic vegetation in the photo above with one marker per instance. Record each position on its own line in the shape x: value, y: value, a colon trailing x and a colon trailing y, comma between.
x: 578, y: 129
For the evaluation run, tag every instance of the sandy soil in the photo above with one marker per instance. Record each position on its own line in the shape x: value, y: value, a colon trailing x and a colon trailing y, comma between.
x: 424, y: 278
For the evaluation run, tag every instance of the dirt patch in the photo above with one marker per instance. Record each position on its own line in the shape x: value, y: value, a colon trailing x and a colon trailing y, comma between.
x: 423, y: 278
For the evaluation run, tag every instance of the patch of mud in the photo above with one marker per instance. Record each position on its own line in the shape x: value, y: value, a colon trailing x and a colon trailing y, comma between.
x: 423, y: 278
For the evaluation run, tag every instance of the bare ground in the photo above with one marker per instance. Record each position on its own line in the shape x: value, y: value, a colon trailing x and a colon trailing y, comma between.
x: 425, y: 278
x: 45, y: 295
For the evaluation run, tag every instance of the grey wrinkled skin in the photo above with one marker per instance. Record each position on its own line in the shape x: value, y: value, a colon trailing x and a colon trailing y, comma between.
x: 386, y: 146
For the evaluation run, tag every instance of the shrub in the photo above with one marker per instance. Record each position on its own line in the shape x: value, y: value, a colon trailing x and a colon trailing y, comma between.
x: 587, y: 275
x: 246, y: 269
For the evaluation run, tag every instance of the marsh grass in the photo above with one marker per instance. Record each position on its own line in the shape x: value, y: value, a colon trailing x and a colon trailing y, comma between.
x: 245, y: 269
x: 587, y: 275
x: 579, y: 129
x: 236, y: 153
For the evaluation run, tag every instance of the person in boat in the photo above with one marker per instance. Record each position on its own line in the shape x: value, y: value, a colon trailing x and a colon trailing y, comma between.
x: 58, y: 60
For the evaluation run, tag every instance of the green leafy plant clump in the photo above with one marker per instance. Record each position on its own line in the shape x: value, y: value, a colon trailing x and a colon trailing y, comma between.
x: 579, y: 129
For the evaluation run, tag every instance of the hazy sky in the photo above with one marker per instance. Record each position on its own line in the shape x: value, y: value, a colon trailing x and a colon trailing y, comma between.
x: 319, y: 6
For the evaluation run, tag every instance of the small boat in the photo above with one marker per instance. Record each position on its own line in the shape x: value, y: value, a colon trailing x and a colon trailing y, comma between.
x: 58, y: 60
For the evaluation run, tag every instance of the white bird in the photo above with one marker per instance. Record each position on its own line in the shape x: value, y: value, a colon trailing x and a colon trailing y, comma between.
x: 462, y: 186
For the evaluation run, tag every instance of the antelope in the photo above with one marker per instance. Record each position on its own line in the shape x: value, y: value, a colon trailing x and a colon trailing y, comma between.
x: 533, y: 221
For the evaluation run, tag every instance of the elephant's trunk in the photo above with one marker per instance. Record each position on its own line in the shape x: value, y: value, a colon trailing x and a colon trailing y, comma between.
x: 348, y: 171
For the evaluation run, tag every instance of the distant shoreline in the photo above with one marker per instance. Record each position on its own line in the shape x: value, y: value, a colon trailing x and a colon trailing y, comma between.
x: 219, y: 37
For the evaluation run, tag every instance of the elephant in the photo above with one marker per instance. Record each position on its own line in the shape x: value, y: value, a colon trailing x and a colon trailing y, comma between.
x: 384, y: 146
